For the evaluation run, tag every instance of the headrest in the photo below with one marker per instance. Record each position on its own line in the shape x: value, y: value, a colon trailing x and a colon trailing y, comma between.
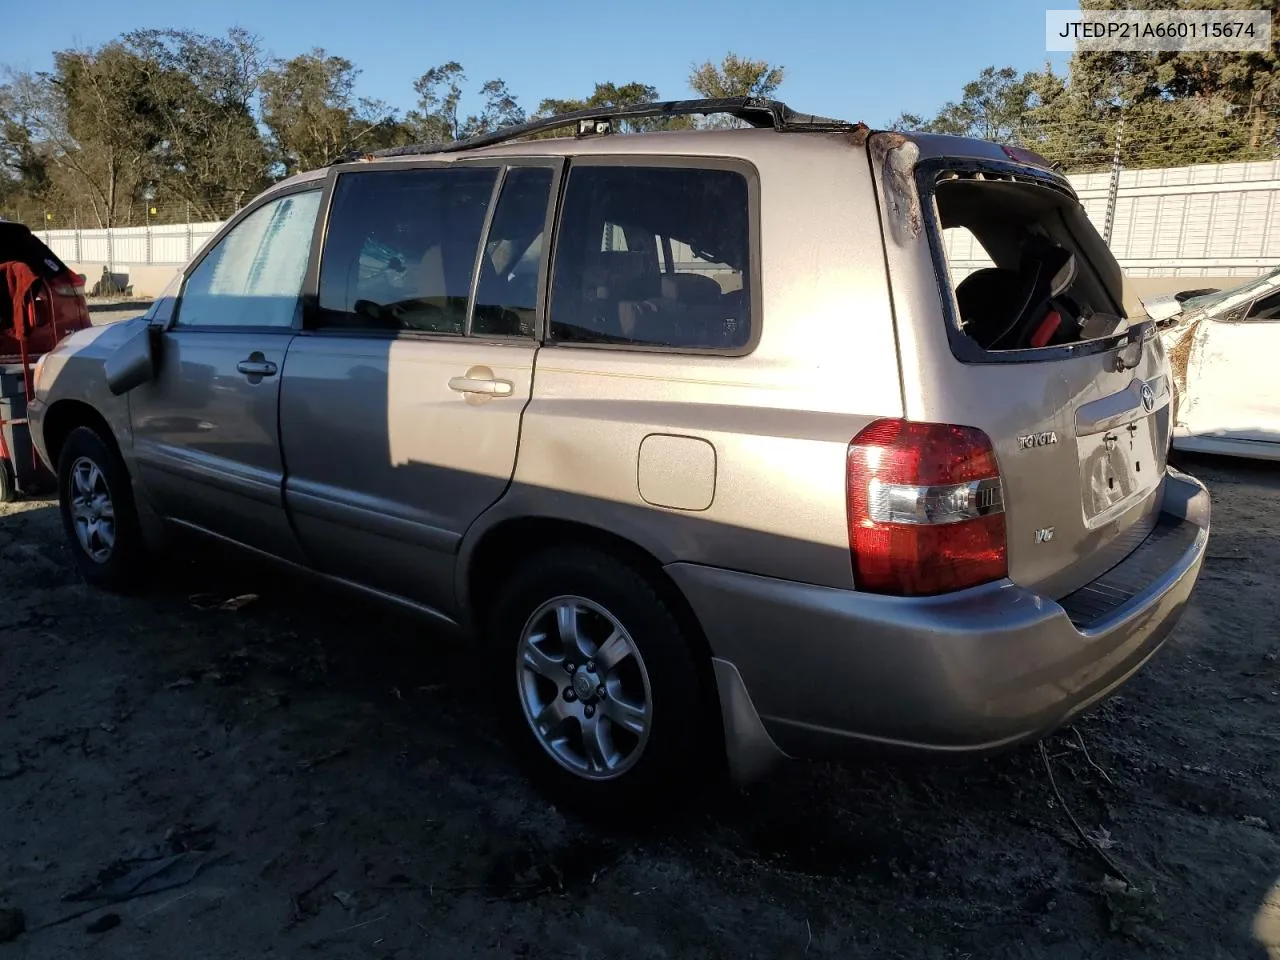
x: 690, y: 288
x: 621, y: 275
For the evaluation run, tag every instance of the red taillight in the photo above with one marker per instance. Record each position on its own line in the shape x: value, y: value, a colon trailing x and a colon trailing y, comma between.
x: 69, y: 285
x: 926, y: 508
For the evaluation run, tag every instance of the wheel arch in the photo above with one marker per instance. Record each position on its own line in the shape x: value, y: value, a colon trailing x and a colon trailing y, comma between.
x: 64, y: 416
x: 491, y: 556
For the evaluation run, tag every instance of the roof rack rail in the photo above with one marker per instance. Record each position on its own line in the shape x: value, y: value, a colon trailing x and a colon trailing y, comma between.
x: 597, y: 120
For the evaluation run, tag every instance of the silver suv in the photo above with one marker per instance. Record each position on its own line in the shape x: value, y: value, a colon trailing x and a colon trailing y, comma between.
x: 694, y: 432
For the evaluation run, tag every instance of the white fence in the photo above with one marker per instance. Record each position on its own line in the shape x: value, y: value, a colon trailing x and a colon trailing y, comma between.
x: 172, y: 244
x: 1212, y: 220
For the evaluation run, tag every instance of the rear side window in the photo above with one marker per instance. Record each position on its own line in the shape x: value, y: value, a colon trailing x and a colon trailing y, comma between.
x: 401, y: 249
x: 1027, y: 268
x: 653, y: 256
x: 507, y: 289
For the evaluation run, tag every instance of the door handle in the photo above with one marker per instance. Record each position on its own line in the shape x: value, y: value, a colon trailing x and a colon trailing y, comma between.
x: 484, y: 386
x: 256, y: 368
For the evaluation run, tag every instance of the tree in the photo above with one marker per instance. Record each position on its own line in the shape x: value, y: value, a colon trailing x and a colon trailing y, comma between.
x: 612, y: 95
x: 736, y: 76
x: 1181, y: 107
x: 995, y: 107
x: 25, y: 177
x: 439, y: 100
x: 1166, y: 108
x: 212, y: 155
x: 439, y: 94
x: 1031, y: 109
x: 95, y: 126
x: 309, y: 106
x: 500, y: 110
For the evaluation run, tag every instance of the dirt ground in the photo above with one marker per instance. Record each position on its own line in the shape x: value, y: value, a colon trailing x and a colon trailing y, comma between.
x: 325, y: 768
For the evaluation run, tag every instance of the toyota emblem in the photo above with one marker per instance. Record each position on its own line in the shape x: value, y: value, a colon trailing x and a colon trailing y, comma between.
x: 1148, y: 398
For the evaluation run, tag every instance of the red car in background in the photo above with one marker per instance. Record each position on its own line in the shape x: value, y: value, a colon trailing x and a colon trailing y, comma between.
x: 56, y: 298
x: 41, y: 301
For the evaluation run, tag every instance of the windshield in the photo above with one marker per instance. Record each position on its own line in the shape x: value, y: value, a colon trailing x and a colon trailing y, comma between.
x: 1210, y: 299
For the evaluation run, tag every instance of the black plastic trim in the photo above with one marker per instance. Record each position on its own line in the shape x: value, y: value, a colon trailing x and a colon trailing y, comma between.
x: 1106, y: 596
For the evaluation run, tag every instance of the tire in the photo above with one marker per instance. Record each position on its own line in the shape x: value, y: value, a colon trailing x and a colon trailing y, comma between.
x: 664, y: 748
x: 91, y: 477
x: 8, y: 482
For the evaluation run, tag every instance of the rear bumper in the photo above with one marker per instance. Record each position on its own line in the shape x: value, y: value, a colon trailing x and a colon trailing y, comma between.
x: 812, y: 671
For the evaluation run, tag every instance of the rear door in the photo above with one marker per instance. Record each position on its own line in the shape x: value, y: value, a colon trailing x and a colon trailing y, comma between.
x: 1030, y: 345
x: 402, y: 400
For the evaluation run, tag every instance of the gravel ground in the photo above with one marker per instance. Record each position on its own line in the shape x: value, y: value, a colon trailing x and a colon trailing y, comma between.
x: 326, y: 768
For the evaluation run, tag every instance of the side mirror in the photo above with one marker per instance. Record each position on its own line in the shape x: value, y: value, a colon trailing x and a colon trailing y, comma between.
x: 135, y: 361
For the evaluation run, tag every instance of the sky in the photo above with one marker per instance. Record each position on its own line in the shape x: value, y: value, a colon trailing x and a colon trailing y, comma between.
x: 852, y: 59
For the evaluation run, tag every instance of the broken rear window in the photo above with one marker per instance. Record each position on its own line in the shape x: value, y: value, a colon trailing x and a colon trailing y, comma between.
x: 1027, y: 268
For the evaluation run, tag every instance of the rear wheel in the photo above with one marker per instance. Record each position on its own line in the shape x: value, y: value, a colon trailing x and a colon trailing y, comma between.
x: 605, y: 704
x: 95, y: 496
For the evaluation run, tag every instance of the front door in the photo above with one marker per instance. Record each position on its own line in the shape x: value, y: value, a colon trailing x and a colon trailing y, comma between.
x: 206, y: 430
x: 401, y: 402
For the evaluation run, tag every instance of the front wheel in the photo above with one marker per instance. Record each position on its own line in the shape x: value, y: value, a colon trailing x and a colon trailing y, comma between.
x: 95, y: 497
x: 606, y: 704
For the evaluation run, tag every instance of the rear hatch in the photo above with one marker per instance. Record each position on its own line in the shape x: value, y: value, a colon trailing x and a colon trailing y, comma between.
x: 1010, y: 318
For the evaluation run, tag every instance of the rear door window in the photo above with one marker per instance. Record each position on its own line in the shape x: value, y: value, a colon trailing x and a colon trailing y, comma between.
x: 401, y: 248
x: 653, y: 256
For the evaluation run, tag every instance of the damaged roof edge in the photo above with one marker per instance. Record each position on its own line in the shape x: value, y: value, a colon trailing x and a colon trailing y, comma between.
x: 948, y: 145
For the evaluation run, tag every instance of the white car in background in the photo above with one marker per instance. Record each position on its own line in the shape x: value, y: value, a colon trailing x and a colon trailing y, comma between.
x: 1223, y: 348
